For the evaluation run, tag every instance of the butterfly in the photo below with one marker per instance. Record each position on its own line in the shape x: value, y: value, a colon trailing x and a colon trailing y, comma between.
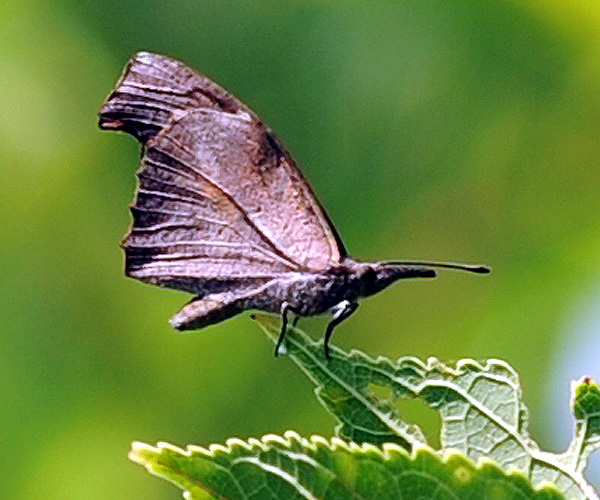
x: 223, y: 212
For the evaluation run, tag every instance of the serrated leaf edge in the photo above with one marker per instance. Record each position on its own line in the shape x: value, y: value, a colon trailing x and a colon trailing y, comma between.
x: 143, y: 454
x: 432, y: 364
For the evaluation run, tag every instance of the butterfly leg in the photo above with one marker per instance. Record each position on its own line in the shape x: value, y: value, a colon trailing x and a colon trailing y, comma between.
x: 285, y: 310
x: 342, y: 311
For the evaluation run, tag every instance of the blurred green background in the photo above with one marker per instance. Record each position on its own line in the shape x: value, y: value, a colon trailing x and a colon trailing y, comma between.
x: 437, y: 129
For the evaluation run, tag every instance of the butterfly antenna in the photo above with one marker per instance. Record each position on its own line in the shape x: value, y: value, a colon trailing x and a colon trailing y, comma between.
x: 472, y: 268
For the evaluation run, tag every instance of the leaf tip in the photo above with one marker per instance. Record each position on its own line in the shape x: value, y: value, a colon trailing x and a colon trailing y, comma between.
x: 585, y: 397
x: 140, y: 453
x: 266, y: 322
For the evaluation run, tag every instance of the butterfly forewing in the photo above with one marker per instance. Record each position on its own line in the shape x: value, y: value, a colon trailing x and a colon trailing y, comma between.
x: 219, y: 198
x: 151, y: 88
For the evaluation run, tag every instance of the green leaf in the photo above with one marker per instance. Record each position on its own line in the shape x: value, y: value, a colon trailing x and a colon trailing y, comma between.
x: 482, y: 414
x: 342, y: 386
x: 293, y: 468
x: 586, y: 409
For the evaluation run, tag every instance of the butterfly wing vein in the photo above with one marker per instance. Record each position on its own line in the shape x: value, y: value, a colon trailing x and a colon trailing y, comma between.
x: 219, y: 198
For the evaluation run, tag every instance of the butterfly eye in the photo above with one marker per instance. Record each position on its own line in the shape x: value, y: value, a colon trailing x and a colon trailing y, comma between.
x: 368, y: 279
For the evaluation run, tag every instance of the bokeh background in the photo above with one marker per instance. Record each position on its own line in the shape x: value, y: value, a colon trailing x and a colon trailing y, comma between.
x: 437, y: 129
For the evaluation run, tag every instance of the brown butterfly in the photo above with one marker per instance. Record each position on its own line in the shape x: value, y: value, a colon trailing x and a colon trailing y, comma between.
x: 223, y: 212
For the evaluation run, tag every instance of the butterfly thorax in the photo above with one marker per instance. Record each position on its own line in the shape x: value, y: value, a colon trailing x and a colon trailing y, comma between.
x: 309, y: 293
x: 313, y: 293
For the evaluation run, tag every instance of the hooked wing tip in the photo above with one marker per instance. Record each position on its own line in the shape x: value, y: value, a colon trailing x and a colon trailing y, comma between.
x: 107, y: 124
